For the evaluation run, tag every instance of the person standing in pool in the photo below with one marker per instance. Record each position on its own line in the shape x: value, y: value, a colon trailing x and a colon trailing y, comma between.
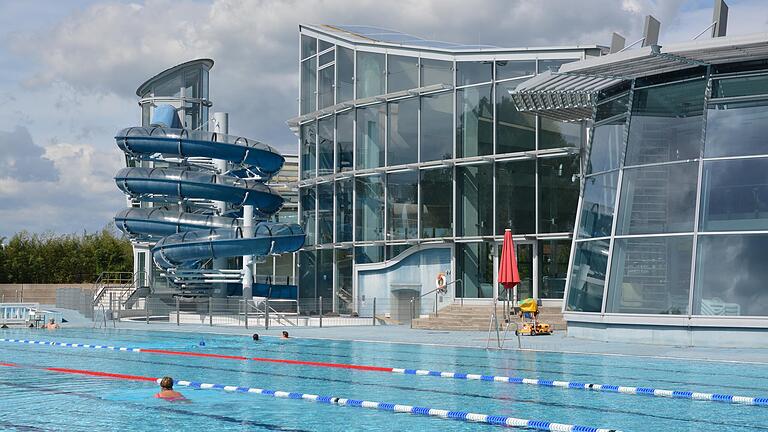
x: 167, y: 392
x: 52, y: 325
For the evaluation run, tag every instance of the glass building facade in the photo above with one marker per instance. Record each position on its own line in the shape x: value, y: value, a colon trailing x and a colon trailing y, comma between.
x: 673, y: 221
x: 413, y: 154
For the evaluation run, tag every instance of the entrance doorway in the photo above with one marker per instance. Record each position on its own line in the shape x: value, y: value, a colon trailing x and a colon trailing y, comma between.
x: 526, y: 265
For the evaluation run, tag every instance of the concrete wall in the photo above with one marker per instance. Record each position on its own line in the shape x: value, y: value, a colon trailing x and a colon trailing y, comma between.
x: 35, y: 293
x: 671, y: 335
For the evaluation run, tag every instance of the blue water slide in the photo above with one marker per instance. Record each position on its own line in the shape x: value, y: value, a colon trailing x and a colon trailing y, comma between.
x: 157, y: 222
x: 170, y: 185
x: 144, y: 141
x: 187, y: 248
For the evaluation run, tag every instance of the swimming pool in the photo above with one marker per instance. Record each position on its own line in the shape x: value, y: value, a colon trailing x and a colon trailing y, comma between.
x: 37, y: 399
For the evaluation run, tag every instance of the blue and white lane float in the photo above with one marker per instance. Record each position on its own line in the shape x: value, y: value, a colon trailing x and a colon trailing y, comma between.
x: 408, y: 409
x: 642, y: 391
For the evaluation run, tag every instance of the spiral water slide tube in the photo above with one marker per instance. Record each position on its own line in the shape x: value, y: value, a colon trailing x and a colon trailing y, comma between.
x: 185, y: 239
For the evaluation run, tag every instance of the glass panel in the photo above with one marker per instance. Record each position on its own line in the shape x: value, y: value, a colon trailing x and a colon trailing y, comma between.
x: 170, y: 86
x: 516, y: 197
x: 344, y: 140
x: 742, y: 86
x: 658, y: 199
x: 612, y: 107
x: 514, y: 69
x: 650, y: 275
x: 345, y: 83
x: 731, y: 275
x: 475, y: 206
x: 475, y: 268
x: 436, y: 202
x: 344, y: 210
x: 553, y: 267
x: 369, y: 208
x: 402, y: 205
x: 403, y: 132
x: 403, y: 73
x: 437, y: 127
x: 515, y: 131
x: 369, y: 254
x: 307, y: 271
x: 554, y: 134
x: 325, y: 89
x: 558, y: 193
x: 735, y: 195
x: 395, y: 250
x: 308, y: 214
x: 284, y: 269
x: 553, y: 65
x: 436, y: 72
x: 474, y: 122
x: 370, y: 136
x: 607, y: 146
x: 308, y: 85
x: 325, y: 146
x: 323, y: 45
x: 325, y: 213
x: 326, y: 58
x: 370, y: 74
x: 598, y: 205
x: 344, y: 277
x: 473, y: 72
x: 524, y: 255
x: 324, y: 280
x: 666, y: 123
x: 585, y: 291
x: 308, y: 150
x: 192, y: 83
x: 736, y: 129
x: 308, y: 46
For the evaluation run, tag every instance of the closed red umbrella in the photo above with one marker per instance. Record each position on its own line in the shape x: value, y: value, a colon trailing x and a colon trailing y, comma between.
x: 509, y: 276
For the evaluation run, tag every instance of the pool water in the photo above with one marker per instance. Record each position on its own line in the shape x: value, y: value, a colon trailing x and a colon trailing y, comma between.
x: 35, y: 399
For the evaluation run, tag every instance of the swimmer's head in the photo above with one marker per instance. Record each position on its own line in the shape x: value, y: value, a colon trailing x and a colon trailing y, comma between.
x: 201, y: 343
x: 255, y: 337
x: 166, y: 383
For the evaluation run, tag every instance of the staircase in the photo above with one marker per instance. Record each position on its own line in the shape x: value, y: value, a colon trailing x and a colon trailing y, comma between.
x: 476, y: 317
x: 120, y: 286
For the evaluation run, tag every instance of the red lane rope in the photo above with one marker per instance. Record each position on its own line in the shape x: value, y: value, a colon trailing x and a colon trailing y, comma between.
x: 101, y: 374
x: 193, y: 354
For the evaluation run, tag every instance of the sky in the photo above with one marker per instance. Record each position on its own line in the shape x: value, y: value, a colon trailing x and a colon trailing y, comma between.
x: 69, y: 70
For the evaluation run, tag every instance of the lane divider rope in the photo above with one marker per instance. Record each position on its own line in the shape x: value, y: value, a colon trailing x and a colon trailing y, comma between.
x: 640, y: 391
x: 498, y: 420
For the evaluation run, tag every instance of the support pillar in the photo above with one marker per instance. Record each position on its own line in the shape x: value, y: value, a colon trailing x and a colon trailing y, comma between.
x: 219, y: 124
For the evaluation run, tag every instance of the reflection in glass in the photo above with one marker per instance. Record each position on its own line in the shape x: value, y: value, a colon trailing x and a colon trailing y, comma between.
x: 344, y: 278
x: 737, y: 129
x: 437, y: 127
x: 473, y: 72
x: 607, y: 146
x: 553, y: 65
x: 612, y: 107
x: 344, y: 140
x: 735, y: 195
x: 308, y: 150
x: 516, y: 197
x: 475, y: 267
x: 323, y: 45
x: 515, y: 131
x: 325, y: 146
x: 524, y: 254
x: 436, y: 202
x: 514, y: 69
x: 345, y: 72
x: 324, y: 280
x: 553, y: 267
x: 436, y: 72
x: 558, y: 193
x: 394, y: 250
x: 307, y: 277
x: 650, y: 275
x: 731, y: 275
x: 585, y: 290
x: 308, y: 85
x: 308, y: 46
x: 402, y: 205
x: 369, y: 208
x: 474, y: 200
x: 369, y: 254
x: 325, y: 87
x: 666, y: 123
x: 474, y: 122
x: 307, y: 197
x: 370, y: 74
x: 658, y: 199
x: 598, y: 205
x: 403, y: 132
x: 370, y: 136
x: 344, y: 210
x: 325, y: 213
x: 554, y: 134
x: 740, y: 86
x: 403, y: 73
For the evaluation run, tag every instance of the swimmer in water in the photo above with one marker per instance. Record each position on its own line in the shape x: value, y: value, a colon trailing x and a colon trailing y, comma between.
x: 167, y: 392
x: 285, y: 335
x: 255, y: 337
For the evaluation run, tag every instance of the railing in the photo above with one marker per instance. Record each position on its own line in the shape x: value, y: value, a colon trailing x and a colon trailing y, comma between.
x: 107, y: 280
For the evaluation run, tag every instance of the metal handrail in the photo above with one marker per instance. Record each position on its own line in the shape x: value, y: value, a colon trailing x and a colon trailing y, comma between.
x: 108, y: 278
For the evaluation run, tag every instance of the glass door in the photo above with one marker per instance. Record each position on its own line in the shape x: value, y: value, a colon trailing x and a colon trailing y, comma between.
x: 525, y: 253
